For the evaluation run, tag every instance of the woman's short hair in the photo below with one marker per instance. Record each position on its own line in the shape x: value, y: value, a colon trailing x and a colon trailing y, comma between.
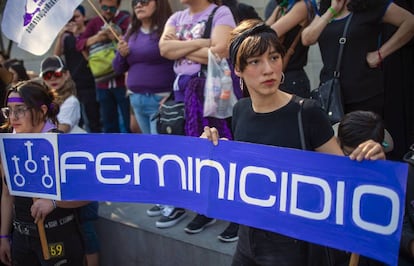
x: 252, y: 37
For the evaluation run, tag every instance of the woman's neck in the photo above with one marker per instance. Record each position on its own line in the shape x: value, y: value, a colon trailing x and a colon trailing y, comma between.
x: 267, y: 104
x: 146, y: 25
x: 198, y: 7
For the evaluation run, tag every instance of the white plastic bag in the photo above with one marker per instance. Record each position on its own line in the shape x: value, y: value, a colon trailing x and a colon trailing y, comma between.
x: 219, y: 97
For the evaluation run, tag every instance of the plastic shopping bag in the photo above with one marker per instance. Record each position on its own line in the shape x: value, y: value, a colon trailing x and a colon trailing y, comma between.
x: 219, y: 97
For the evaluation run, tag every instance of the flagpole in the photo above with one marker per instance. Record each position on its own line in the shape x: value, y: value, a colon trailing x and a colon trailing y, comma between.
x: 103, y: 19
x: 42, y: 236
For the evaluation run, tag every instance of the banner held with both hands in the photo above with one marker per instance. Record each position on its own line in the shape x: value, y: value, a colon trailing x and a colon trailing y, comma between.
x: 325, y: 199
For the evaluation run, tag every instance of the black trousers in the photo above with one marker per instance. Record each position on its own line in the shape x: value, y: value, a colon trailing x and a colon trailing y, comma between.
x: 65, y: 245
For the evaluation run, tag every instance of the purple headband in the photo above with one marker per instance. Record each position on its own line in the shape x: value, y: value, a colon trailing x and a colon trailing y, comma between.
x: 15, y: 100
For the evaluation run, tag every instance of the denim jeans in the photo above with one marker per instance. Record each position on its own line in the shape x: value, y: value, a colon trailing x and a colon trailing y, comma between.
x: 114, y: 109
x: 145, y: 106
x: 259, y: 247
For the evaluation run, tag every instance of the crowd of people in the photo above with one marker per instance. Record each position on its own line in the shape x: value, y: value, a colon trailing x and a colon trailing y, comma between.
x: 267, y: 58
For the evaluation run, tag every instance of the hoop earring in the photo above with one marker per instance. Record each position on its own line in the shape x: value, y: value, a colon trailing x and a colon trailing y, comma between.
x: 282, y: 78
x: 241, y: 84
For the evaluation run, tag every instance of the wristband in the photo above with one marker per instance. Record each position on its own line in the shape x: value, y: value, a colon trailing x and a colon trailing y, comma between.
x: 4, y: 236
x: 54, y: 204
x: 379, y: 57
x: 332, y: 10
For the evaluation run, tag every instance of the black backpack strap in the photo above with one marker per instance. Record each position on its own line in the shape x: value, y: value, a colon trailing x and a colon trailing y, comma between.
x: 300, y: 124
x: 207, y: 33
x: 209, y: 23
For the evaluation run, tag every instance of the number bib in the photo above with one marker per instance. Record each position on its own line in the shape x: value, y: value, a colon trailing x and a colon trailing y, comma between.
x: 56, y: 250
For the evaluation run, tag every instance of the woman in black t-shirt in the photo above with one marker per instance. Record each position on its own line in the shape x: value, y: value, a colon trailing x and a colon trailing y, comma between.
x: 270, y: 116
x: 361, y: 74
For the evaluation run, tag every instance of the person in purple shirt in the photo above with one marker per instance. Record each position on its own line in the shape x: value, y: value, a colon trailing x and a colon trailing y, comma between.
x: 183, y: 41
x: 139, y: 55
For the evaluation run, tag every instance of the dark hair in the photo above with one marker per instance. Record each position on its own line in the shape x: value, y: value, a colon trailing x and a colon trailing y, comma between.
x: 35, y: 94
x: 250, y: 38
x: 240, y: 11
x: 18, y: 67
x: 158, y: 19
x: 81, y: 9
x: 359, y: 126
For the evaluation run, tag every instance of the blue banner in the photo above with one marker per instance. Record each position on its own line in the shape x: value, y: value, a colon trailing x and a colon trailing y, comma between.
x: 325, y: 199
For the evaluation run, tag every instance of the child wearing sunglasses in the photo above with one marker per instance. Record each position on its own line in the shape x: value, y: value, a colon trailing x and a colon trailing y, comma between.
x: 54, y: 73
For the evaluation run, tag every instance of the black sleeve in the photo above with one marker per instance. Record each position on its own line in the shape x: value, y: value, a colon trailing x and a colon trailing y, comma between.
x: 317, y: 124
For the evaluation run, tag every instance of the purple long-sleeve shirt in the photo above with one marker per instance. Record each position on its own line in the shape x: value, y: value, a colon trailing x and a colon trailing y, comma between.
x: 148, y: 71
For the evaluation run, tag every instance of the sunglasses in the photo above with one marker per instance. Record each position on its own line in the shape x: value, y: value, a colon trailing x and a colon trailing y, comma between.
x: 142, y: 2
x: 111, y: 9
x: 48, y: 75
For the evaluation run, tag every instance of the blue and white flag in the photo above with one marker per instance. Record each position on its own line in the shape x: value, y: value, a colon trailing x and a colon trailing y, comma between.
x: 34, y: 24
x: 325, y: 199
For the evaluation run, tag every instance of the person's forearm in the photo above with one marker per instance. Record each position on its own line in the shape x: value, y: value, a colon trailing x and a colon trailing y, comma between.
x: 92, y: 40
x: 6, y: 212
x: 64, y: 128
x: 200, y: 56
x: 404, y: 34
x: 311, y: 33
x: 58, y: 49
x: 176, y: 49
x: 272, y: 17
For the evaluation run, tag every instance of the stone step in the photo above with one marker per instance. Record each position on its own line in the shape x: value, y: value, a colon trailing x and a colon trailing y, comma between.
x: 129, y: 237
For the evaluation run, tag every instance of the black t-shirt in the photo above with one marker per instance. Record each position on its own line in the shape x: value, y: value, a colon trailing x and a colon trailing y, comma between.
x: 77, y: 65
x: 299, y: 58
x: 359, y: 82
x: 280, y: 127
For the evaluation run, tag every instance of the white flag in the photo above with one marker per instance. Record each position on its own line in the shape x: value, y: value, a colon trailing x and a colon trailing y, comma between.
x: 34, y: 24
